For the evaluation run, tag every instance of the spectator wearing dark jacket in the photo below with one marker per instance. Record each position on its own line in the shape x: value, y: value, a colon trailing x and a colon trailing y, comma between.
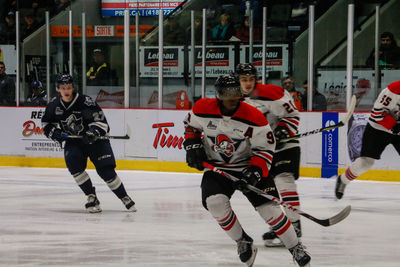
x: 389, y: 53
x: 244, y: 31
x: 7, y: 31
x: 318, y: 99
x: 7, y: 87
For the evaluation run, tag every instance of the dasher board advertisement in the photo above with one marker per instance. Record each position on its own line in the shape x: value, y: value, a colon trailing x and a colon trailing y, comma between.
x: 220, y: 60
x: 172, y: 65
x: 8, y: 54
x: 115, y: 8
x: 277, y: 57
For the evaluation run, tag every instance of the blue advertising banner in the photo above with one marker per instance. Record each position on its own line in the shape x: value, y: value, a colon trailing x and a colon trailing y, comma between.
x: 144, y: 7
x: 330, y: 146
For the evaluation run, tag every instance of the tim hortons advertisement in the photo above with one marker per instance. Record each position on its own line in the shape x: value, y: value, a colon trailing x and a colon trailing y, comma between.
x: 277, y: 57
x: 172, y: 64
x: 160, y: 135
x: 332, y: 84
x: 219, y: 60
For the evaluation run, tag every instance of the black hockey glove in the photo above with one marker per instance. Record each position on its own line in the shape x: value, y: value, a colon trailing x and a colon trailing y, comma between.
x: 396, y: 128
x: 56, y: 135
x: 281, y: 132
x: 195, y: 153
x: 91, y: 136
x: 251, y: 176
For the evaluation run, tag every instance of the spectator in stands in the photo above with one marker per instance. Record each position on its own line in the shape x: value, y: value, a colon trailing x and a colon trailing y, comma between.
x: 244, y: 31
x: 7, y: 87
x: 288, y: 84
x: 318, y: 99
x: 224, y: 30
x: 31, y: 24
x: 38, y: 96
x: 10, y: 6
x: 100, y: 72
x: 60, y: 5
x: 389, y: 53
x: 174, y: 34
x: 198, y: 31
x: 7, y: 30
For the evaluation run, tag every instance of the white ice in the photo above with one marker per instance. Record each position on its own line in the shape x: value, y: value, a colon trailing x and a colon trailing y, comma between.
x: 43, y: 223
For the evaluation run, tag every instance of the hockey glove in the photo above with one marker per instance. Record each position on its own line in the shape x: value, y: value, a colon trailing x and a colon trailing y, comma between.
x: 281, y: 132
x: 56, y: 135
x: 251, y: 176
x: 90, y: 136
x: 195, y: 153
x: 396, y: 128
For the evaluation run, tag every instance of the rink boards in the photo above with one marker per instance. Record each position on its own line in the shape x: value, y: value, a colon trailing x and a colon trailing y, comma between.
x: 156, y: 142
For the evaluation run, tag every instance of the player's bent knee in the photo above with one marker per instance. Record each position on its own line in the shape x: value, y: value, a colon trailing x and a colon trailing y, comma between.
x: 285, y: 181
x: 107, y: 174
x: 269, y: 210
x: 114, y: 183
x: 365, y: 163
x: 218, y: 205
x: 81, y: 177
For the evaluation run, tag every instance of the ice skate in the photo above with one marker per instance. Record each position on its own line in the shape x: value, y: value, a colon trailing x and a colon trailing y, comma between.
x: 93, y: 204
x: 297, y: 228
x: 339, y: 188
x: 272, y: 240
x: 129, y: 203
x: 300, y: 255
x: 247, y: 252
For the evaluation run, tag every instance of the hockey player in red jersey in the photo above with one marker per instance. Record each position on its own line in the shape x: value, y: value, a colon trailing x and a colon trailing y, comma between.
x: 237, y: 138
x: 383, y: 128
x: 278, y: 107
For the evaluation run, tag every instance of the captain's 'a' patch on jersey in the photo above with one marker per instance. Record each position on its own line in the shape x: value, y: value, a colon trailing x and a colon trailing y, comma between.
x: 224, y: 145
x: 72, y: 125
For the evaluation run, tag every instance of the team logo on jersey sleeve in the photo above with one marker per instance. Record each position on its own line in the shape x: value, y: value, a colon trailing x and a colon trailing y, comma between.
x: 225, y: 146
x: 89, y: 101
x: 73, y: 125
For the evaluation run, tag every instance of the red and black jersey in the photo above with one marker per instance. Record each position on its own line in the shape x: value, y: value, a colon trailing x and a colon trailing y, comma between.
x: 232, y: 142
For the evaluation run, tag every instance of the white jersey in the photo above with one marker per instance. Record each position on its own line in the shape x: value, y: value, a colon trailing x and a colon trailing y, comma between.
x: 232, y: 143
x: 277, y: 105
x: 385, y: 113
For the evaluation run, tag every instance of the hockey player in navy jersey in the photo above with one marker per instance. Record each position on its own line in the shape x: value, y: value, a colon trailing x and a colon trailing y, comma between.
x: 383, y: 128
x: 71, y: 113
x: 237, y: 138
x: 278, y: 107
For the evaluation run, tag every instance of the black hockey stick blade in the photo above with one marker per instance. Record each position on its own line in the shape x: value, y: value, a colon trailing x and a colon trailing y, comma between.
x: 341, y: 123
x: 66, y: 136
x: 324, y: 222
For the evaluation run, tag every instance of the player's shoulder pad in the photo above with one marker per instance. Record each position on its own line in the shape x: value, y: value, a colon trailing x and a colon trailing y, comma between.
x: 268, y: 92
x: 87, y: 100
x: 250, y: 115
x: 394, y: 87
x: 207, y: 107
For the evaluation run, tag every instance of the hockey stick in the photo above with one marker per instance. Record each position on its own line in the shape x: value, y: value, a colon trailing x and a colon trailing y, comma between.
x: 105, y: 137
x: 324, y: 222
x: 337, y: 125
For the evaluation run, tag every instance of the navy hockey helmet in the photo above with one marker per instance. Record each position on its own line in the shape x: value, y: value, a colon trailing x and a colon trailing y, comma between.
x: 64, y: 78
x: 227, y: 86
x: 245, y: 69
x: 36, y: 85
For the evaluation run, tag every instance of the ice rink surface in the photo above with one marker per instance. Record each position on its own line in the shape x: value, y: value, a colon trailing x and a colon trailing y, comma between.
x: 43, y: 223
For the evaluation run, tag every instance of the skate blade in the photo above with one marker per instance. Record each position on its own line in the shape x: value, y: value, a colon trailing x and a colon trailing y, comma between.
x: 273, y: 243
x: 94, y: 209
x: 252, y: 258
x: 132, y: 209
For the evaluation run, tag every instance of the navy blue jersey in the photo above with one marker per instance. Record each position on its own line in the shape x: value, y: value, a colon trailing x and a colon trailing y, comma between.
x: 37, y: 100
x: 75, y: 117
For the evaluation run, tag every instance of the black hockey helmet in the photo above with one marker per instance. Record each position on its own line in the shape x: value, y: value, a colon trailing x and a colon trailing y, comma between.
x: 36, y: 85
x: 245, y: 69
x: 227, y: 86
x: 64, y: 78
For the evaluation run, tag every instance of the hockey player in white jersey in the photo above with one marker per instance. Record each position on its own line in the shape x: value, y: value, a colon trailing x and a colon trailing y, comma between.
x: 278, y: 107
x: 383, y: 128
x: 237, y: 138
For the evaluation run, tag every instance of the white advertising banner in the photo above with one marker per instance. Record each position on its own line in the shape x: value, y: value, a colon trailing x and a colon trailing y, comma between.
x: 219, y: 60
x: 8, y: 55
x: 143, y: 7
x: 173, y: 61
x: 332, y: 84
x: 277, y: 57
